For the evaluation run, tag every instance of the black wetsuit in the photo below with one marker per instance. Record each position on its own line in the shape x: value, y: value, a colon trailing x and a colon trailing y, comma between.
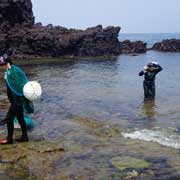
x: 149, y: 82
x: 15, y: 110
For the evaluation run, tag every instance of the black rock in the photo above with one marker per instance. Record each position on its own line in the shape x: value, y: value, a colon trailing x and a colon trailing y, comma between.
x: 169, y: 45
x: 133, y: 47
x: 17, y: 30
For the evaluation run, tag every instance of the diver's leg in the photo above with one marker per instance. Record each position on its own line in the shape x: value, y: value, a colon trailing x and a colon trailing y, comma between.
x: 10, y: 125
x: 8, y: 116
x: 146, y: 93
x: 21, y: 120
x: 153, y: 89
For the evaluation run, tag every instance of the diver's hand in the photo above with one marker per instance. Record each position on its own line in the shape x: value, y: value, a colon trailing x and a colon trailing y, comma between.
x: 145, y: 69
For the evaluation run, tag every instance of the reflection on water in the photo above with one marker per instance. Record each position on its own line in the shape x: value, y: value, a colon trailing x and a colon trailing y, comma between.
x: 109, y: 90
x: 149, y: 109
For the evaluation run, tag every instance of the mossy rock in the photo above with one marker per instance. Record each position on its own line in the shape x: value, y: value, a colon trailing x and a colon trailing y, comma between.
x: 91, y: 123
x: 44, y: 147
x: 15, y: 172
x: 12, y: 155
x: 107, y: 132
x: 126, y: 175
x: 132, y: 174
x: 126, y: 162
x: 99, y: 129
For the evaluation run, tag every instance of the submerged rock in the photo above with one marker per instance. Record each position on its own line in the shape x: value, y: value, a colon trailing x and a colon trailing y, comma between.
x: 14, y: 171
x: 12, y: 155
x: 99, y: 129
x: 127, y: 162
x: 76, y: 157
x: 44, y: 147
x: 169, y: 45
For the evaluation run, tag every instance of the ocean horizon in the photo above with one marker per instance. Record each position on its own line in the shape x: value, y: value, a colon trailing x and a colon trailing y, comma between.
x: 149, y: 38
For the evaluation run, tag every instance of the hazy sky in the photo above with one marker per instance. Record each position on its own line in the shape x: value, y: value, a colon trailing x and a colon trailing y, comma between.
x: 132, y: 15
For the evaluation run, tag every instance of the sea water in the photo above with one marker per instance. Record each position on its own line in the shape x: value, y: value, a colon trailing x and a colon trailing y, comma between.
x: 107, y: 90
x: 149, y: 38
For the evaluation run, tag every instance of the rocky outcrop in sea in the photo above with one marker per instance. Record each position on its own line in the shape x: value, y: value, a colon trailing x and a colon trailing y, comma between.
x: 133, y: 47
x: 169, y: 45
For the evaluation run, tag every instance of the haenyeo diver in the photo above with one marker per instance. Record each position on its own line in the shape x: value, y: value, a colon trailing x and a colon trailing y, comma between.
x: 18, y: 103
x: 150, y: 71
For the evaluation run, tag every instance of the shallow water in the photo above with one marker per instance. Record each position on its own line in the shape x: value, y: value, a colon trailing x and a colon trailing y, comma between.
x: 105, y: 90
x: 86, y: 107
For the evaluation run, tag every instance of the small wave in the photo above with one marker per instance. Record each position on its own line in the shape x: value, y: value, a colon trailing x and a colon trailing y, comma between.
x: 164, y: 137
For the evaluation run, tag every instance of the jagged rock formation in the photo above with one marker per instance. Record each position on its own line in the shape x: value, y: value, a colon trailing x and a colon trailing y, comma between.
x: 14, y: 12
x: 133, y: 47
x: 17, y: 30
x: 58, y: 41
x: 169, y: 45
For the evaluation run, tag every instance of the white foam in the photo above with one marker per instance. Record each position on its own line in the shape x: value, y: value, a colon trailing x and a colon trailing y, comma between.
x: 163, y: 137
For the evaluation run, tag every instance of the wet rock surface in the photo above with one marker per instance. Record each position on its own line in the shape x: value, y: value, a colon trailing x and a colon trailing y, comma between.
x: 90, y: 151
x: 169, y: 45
x: 126, y: 162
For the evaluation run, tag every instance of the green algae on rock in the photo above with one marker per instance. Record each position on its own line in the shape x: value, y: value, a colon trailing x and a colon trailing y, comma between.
x: 44, y: 147
x: 12, y: 155
x: 127, y: 162
x: 126, y: 175
x: 15, y: 171
x: 99, y: 129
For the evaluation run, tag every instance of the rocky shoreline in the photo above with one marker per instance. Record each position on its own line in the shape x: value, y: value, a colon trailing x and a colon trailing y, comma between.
x: 19, y: 31
x: 90, y: 150
x: 31, y: 40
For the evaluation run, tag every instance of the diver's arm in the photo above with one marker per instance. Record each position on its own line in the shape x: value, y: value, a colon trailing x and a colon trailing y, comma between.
x: 158, y: 68
x: 141, y: 73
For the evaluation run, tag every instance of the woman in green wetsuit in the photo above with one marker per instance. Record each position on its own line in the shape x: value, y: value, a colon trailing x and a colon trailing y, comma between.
x: 16, y: 108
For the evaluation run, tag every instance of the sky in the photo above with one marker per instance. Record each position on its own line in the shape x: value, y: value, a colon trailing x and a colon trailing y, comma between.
x: 133, y: 16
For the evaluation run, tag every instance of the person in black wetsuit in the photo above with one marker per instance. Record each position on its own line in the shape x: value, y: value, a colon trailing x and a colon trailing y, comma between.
x: 15, y: 110
x: 150, y: 71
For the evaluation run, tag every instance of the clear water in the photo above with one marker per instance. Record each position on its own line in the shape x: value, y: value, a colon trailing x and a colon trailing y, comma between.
x: 149, y: 38
x: 105, y: 90
x: 108, y: 90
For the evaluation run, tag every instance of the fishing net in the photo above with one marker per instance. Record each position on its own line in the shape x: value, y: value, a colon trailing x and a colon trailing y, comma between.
x: 28, y: 120
x: 16, y: 79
